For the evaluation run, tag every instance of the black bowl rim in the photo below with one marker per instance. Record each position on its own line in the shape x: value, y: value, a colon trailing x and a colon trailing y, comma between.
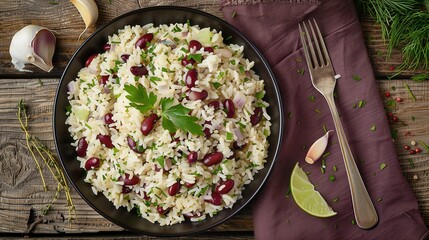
x: 260, y: 56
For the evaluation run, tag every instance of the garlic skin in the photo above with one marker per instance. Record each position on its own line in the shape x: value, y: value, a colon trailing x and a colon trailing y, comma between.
x: 88, y: 10
x: 35, y: 45
x: 317, y: 149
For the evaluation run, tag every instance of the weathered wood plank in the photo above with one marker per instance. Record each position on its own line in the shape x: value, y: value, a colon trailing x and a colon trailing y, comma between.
x: 20, y: 185
x: 17, y: 14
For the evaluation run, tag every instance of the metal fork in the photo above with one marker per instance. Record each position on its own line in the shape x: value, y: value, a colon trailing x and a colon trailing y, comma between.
x: 323, y: 79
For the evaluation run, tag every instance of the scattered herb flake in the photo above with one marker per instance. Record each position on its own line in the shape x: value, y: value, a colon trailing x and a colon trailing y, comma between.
x: 410, y: 92
x: 234, y: 14
x: 361, y: 103
x: 260, y: 94
x: 354, y: 105
x: 166, y: 70
x: 312, y: 98
x: 357, y: 78
x: 301, y: 71
x: 331, y: 178
x: 176, y: 29
x: 317, y: 110
x: 216, y: 85
x: 383, y: 166
x: 232, y: 62
x: 322, y: 170
x: 379, y: 199
x: 326, y: 154
x: 335, y: 200
x: 154, y: 79
x: 353, y: 222
x: 413, y: 118
x: 325, y: 130
x: 229, y: 136
x: 241, y: 68
x: 425, y: 146
x: 197, y: 57
x: 373, y: 128
x: 335, y: 168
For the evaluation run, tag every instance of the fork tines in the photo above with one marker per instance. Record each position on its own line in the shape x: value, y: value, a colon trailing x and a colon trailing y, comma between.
x: 311, y: 39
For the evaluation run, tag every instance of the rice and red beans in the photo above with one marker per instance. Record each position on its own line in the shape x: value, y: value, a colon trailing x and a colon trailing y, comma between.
x: 169, y: 120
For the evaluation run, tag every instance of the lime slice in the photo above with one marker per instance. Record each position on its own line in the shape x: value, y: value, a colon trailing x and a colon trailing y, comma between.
x: 306, y: 197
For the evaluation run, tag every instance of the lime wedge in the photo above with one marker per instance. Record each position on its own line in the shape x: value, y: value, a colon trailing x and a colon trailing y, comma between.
x: 307, y: 198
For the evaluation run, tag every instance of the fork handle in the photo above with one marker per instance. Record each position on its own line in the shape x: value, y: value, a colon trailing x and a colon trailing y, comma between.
x: 365, y: 214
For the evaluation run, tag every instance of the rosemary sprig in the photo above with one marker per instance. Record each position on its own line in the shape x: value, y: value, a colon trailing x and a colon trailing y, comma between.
x: 41, y: 153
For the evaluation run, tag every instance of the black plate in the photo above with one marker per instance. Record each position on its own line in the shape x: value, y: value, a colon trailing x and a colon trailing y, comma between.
x: 67, y: 153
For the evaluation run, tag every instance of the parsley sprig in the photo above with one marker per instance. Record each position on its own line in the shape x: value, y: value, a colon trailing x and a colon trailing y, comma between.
x: 173, y: 117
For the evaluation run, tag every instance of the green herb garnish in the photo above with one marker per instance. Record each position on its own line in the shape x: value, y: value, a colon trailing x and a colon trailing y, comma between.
x: 197, y: 57
x: 382, y: 166
x: 312, y: 98
x: 154, y: 79
x: 361, y: 103
x: 216, y: 85
x: 229, y: 136
x: 331, y: 178
x: 410, y: 92
x: 373, y: 128
x: 176, y: 29
x: 357, y: 78
x: 260, y: 94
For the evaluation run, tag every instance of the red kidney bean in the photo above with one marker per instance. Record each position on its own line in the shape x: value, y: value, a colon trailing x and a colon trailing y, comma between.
x: 191, y: 78
x: 148, y: 123
x: 132, y: 144
x: 106, y: 140
x: 239, y: 147
x: 92, y: 163
x: 161, y: 210
x: 225, y: 186
x: 90, y: 58
x: 192, y: 157
x: 212, y: 158
x: 108, y: 119
x: 192, y: 215
x: 106, y: 47
x: 174, y: 189
x: 194, y: 46
x: 129, y: 181
x: 193, y: 95
x: 139, y: 70
x: 214, y: 104
x: 189, y: 185
x: 207, y: 133
x: 208, y: 49
x: 104, y: 79
x: 125, y: 57
x: 216, y: 199
x: 185, y: 61
x: 82, y: 146
x: 143, y: 40
x: 256, y: 116
x: 230, y: 108
x: 126, y: 189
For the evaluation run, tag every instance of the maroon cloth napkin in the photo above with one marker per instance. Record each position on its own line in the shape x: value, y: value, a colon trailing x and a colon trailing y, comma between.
x: 273, y: 27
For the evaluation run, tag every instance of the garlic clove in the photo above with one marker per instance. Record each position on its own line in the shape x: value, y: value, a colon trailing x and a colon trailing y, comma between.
x: 88, y: 10
x: 317, y: 149
x: 35, y: 45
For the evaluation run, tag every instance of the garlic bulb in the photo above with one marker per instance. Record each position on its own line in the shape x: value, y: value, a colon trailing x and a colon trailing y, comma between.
x: 88, y: 10
x: 317, y: 149
x: 33, y: 44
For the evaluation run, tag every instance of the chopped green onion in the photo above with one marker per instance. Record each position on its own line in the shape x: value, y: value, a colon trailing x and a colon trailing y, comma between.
x: 331, y: 178
x: 382, y: 166
x: 362, y: 103
x: 335, y: 168
x: 357, y: 78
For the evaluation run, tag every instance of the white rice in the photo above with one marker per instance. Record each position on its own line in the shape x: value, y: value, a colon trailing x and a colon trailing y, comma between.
x: 226, y: 66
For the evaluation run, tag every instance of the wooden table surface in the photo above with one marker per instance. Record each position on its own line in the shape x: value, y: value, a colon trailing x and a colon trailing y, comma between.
x: 21, y: 193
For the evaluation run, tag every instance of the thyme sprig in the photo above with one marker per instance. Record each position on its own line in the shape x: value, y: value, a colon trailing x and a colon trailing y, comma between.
x: 42, y: 154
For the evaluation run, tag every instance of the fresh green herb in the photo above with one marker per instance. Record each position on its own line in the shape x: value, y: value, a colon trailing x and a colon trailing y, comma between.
x: 357, y: 78
x: 353, y: 222
x: 188, y: 22
x: 361, y: 103
x: 354, y: 105
x: 260, y: 104
x: 87, y: 126
x: 241, y: 68
x: 176, y: 117
x: 234, y: 14
x: 266, y: 132
x: 232, y: 61
x: 248, y: 154
x: 421, y: 77
x: 425, y: 146
x: 216, y: 85
x: 335, y: 168
x: 373, y: 128
x: 202, y: 191
x: 382, y: 166
x: 166, y: 70
x: 176, y: 29
x: 331, y: 178
x: 220, y: 75
x: 242, y: 126
x: 196, y: 56
x: 312, y: 98
x: 325, y: 130
x: 139, y: 98
x: 323, y: 163
x: 162, y: 192
x: 301, y: 71
x: 326, y: 154
x: 409, y: 91
x: 154, y: 79
x: 184, y: 50
x: 335, y: 200
x: 160, y: 160
x: 260, y: 94
x: 229, y: 136
x: 322, y: 170
x: 68, y: 109
x: 317, y: 110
